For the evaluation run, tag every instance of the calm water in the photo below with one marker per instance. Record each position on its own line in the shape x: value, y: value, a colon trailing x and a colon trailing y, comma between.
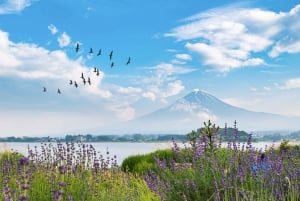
x: 120, y: 149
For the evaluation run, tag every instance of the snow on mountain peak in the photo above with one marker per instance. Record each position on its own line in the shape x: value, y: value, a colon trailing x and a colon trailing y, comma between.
x: 196, y: 90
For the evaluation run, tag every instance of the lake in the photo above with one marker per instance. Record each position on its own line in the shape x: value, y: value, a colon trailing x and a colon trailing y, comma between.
x: 121, y: 149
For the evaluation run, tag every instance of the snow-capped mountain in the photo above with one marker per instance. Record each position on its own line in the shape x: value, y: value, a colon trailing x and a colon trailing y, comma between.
x: 189, y: 113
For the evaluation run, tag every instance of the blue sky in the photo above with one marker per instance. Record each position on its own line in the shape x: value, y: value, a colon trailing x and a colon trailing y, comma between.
x: 244, y: 52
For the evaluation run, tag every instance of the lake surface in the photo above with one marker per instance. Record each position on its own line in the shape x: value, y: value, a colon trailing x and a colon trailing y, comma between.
x: 121, y: 149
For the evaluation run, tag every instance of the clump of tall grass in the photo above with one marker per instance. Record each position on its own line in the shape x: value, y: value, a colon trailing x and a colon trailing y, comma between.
x: 69, y: 171
x: 235, y: 172
x: 139, y: 164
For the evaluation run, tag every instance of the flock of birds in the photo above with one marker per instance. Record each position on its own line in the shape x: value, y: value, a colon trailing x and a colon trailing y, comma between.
x: 87, y: 80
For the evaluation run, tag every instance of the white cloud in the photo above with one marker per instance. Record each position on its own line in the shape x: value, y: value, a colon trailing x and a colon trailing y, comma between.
x: 290, y: 43
x: 121, y: 106
x: 150, y: 95
x: 129, y: 90
x: 223, y: 60
x: 178, y: 62
x: 52, y: 29
x: 163, y: 82
x: 171, y: 50
x: 234, y: 37
x: 13, y: 6
x: 173, y: 88
x: 169, y: 69
x: 243, y: 103
x: 289, y: 47
x: 64, y: 40
x: 50, y: 123
x: 96, y: 87
x: 28, y: 61
x: 253, y: 89
x: 181, y: 59
x: 126, y: 114
x: 8, y: 59
x: 185, y: 57
x: 292, y: 83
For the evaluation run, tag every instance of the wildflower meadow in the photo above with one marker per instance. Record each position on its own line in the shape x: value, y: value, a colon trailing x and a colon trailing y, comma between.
x: 200, y: 169
x: 69, y: 171
x: 206, y: 171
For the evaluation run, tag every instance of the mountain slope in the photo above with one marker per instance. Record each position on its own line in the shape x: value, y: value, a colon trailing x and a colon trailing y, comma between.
x: 189, y: 113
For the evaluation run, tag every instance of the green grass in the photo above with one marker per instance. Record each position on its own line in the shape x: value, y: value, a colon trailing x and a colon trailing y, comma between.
x: 227, y: 174
x: 139, y: 164
x: 204, y: 175
x: 38, y: 180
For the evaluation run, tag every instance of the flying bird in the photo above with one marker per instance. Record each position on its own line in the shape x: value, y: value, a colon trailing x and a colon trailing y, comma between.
x: 58, y: 91
x: 128, y: 61
x: 84, y: 82
x: 77, y: 47
x: 112, y: 64
x: 71, y: 82
x: 95, y: 70
x: 44, y: 89
x: 82, y: 76
x: 75, y: 84
x: 91, y: 51
x: 99, y: 53
x: 89, y: 80
x: 110, y: 55
x: 97, y: 73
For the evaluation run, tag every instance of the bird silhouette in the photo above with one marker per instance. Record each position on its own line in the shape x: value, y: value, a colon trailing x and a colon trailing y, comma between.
x: 89, y: 81
x: 77, y: 47
x: 91, y: 51
x: 95, y: 70
x: 112, y: 64
x: 99, y: 52
x: 97, y: 73
x: 58, y: 91
x: 44, y: 89
x: 110, y: 55
x: 82, y: 76
x: 75, y: 84
x: 128, y: 61
x: 84, y: 81
x: 71, y: 82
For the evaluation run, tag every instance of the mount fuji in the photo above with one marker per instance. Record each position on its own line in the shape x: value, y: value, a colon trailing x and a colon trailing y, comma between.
x: 189, y: 113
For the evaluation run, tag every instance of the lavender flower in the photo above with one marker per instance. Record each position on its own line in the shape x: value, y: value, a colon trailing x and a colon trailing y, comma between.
x: 62, y: 169
x: 24, y: 161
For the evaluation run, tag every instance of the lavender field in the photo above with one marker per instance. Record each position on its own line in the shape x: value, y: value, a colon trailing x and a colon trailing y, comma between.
x: 199, y: 170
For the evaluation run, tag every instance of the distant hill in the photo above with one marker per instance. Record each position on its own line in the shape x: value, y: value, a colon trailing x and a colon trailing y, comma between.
x: 279, y: 137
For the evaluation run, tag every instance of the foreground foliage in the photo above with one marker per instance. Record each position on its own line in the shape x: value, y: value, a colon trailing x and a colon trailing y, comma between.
x: 237, y: 172
x: 199, y: 170
x: 67, y: 172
